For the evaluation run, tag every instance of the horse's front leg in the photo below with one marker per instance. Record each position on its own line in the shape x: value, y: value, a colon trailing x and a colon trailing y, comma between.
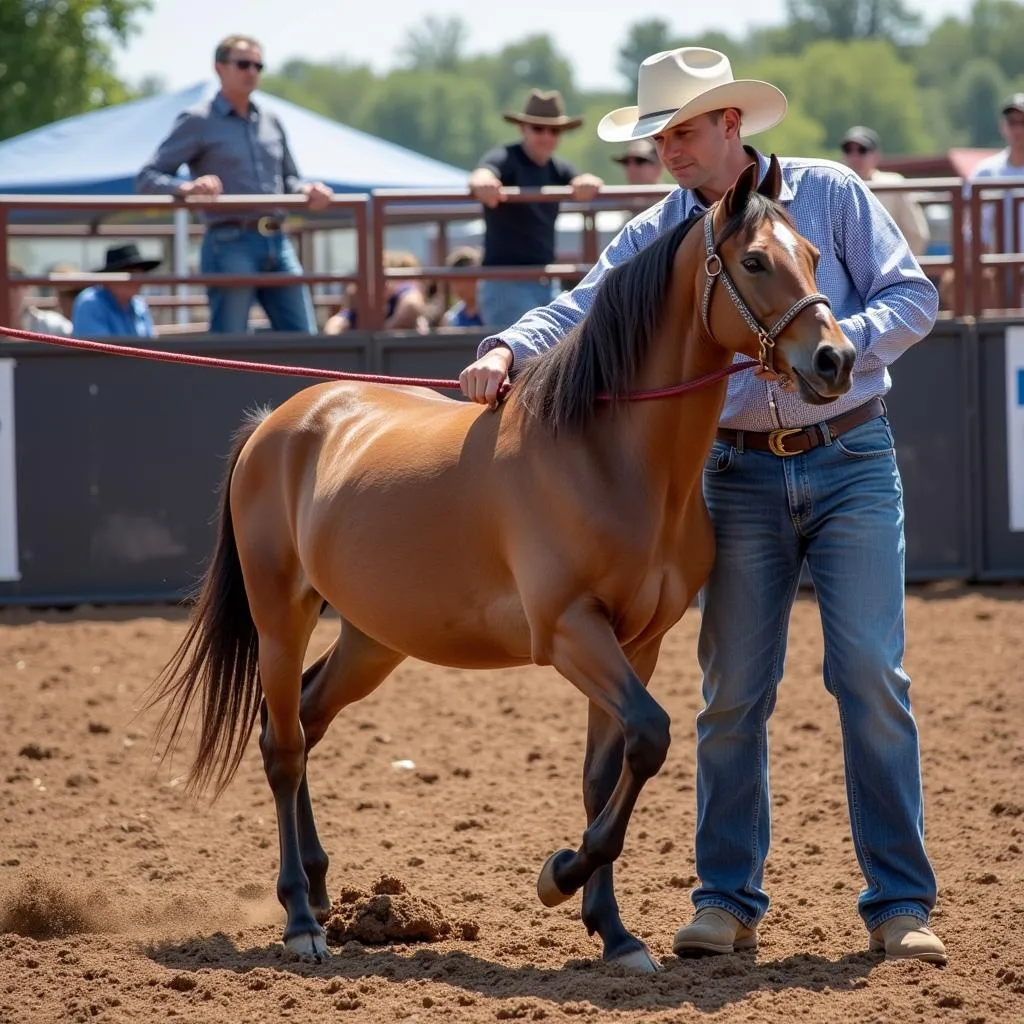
x: 601, y: 769
x: 585, y: 650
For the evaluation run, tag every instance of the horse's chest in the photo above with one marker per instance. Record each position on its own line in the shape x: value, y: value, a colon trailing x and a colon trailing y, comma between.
x: 658, y: 604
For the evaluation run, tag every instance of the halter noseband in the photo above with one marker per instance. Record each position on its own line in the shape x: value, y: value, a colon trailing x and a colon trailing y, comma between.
x: 714, y: 269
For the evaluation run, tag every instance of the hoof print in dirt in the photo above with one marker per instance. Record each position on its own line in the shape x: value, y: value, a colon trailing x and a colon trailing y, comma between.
x: 390, y: 913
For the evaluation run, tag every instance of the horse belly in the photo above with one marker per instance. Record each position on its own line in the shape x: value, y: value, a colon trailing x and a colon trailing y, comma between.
x: 418, y: 574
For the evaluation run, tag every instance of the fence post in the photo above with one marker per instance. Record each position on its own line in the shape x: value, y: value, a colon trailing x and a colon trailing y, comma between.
x: 976, y: 266
x: 378, y: 282
x: 6, y: 313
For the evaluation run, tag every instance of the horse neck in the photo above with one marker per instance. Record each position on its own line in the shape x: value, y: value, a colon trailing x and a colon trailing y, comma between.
x: 675, y: 432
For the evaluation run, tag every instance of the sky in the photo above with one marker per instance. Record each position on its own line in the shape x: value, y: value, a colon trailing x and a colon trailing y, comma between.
x: 178, y: 36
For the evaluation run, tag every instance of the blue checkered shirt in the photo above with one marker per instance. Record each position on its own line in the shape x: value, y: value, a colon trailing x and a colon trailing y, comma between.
x: 879, y: 294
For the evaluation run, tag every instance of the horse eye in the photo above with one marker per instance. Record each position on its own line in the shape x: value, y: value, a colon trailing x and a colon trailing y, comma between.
x: 753, y: 265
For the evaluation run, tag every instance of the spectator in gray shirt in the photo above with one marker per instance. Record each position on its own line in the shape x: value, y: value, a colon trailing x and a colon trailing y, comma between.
x: 231, y: 146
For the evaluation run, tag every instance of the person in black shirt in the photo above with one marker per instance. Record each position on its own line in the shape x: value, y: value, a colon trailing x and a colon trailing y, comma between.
x: 523, y: 234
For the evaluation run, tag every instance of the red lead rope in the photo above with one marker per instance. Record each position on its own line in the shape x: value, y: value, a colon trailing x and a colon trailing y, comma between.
x: 307, y: 371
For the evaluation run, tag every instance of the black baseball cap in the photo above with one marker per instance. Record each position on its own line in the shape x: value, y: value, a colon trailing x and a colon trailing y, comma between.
x: 862, y: 137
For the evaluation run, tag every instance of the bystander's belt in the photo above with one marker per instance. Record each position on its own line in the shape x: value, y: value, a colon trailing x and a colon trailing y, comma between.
x: 795, y: 440
x: 264, y: 225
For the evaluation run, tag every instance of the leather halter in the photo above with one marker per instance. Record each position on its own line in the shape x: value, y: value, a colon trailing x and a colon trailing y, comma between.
x: 714, y: 269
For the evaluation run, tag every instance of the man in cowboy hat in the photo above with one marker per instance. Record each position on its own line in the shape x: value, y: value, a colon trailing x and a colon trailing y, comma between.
x: 116, y: 308
x: 785, y: 487
x: 523, y: 234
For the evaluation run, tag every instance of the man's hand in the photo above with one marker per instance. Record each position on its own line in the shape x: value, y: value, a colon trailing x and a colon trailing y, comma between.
x: 486, y: 186
x: 206, y: 185
x: 585, y: 186
x: 319, y: 196
x: 480, y: 380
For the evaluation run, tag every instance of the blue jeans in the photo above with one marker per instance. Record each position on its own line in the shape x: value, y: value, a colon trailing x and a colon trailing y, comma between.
x: 840, y: 508
x: 235, y: 250
x: 502, y: 303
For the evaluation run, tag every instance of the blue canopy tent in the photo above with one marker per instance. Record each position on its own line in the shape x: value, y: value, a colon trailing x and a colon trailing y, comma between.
x: 99, y: 153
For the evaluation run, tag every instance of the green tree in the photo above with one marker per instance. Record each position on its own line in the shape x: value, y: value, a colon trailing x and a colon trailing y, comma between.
x: 997, y: 31
x: 438, y: 45
x: 846, y: 20
x: 56, y: 58
x: 337, y: 89
x: 444, y: 116
x: 948, y: 46
x: 799, y: 134
x: 976, y: 95
x: 530, y: 63
x: 841, y: 84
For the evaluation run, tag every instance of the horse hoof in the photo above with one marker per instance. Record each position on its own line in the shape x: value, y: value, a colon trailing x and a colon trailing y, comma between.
x: 637, y: 960
x: 549, y: 893
x: 309, y: 944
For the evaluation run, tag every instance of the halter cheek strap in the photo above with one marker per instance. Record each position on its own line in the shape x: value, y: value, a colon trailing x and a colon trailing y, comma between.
x: 714, y: 270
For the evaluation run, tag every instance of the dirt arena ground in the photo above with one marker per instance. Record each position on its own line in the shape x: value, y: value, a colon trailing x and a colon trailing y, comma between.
x: 163, y: 908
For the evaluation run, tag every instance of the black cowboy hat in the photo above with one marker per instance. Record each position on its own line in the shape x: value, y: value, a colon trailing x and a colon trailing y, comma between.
x: 545, y: 108
x: 125, y: 257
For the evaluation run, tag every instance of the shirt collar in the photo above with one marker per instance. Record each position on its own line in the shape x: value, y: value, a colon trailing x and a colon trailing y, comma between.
x: 108, y: 296
x: 223, y: 107
x: 763, y: 163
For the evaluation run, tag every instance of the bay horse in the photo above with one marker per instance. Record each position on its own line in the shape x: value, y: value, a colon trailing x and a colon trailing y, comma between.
x: 565, y: 528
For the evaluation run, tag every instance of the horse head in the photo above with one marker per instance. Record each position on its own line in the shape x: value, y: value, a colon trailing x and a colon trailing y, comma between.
x: 769, y: 306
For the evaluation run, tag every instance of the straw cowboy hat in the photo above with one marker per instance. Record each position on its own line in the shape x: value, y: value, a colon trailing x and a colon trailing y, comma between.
x: 545, y: 108
x: 675, y: 85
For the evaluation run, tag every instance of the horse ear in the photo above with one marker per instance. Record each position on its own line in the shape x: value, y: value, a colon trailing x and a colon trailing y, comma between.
x: 736, y: 198
x: 771, y: 186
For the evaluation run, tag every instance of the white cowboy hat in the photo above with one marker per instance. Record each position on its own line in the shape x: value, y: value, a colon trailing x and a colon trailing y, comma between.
x: 675, y: 85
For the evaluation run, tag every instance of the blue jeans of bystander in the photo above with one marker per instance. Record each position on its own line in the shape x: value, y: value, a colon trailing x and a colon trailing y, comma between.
x: 236, y: 250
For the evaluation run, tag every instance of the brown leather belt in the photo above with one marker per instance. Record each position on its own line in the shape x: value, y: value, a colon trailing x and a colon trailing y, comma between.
x: 794, y: 440
x: 264, y: 225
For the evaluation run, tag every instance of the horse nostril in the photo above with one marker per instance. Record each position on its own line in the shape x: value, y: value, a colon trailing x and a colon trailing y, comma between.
x: 827, y: 362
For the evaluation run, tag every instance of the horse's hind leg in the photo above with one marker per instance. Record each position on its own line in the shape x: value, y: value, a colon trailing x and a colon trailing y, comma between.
x: 284, y: 626
x: 351, y: 669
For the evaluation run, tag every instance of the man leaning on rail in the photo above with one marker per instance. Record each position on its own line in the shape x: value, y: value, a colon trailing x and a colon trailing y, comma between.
x: 233, y: 147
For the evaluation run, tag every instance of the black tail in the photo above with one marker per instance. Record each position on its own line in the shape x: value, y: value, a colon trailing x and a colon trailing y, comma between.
x: 218, y: 656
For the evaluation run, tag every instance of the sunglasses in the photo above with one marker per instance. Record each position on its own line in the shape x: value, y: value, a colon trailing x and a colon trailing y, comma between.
x: 245, y: 64
x: 636, y: 161
x: 545, y: 129
x: 852, y: 148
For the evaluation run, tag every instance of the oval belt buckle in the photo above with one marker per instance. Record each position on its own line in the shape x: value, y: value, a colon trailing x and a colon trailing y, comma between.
x: 776, y: 438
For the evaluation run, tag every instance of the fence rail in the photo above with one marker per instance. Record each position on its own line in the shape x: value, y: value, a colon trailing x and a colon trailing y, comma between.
x: 980, y: 281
